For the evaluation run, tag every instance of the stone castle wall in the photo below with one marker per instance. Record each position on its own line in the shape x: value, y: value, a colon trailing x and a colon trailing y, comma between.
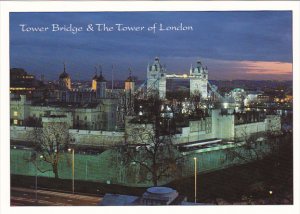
x: 107, y: 167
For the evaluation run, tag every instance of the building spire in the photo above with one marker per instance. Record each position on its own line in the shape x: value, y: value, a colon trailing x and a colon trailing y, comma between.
x: 100, y: 69
x: 129, y: 72
x: 96, y: 72
x: 112, y: 77
x: 64, y: 67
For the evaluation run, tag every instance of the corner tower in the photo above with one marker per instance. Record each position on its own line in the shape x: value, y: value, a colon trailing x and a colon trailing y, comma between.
x: 101, y: 86
x: 129, y: 84
x: 94, y: 81
x: 65, y: 79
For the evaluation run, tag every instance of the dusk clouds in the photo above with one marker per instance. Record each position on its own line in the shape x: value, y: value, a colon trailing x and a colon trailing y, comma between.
x: 234, y: 45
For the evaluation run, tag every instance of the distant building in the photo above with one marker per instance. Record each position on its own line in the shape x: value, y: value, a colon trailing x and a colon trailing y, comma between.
x: 22, y: 83
x: 19, y: 110
x: 261, y: 98
x: 251, y: 98
x: 86, y: 116
x: 238, y: 94
x: 288, y: 98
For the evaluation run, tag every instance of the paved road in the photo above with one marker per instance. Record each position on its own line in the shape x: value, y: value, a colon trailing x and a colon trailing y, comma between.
x: 27, y: 197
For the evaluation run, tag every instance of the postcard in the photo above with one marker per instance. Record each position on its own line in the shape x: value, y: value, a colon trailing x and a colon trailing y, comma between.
x: 150, y: 104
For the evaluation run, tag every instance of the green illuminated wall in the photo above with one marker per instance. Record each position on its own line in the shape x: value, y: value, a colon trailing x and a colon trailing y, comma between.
x: 106, y: 167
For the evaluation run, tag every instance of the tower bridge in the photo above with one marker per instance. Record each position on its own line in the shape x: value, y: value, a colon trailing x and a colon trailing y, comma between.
x: 157, y: 78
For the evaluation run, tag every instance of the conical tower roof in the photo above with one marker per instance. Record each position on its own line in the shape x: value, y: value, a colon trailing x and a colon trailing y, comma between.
x: 64, y: 74
x: 130, y: 78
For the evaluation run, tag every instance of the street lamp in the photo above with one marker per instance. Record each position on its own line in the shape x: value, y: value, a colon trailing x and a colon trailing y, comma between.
x: 73, y: 168
x: 195, y: 161
x: 36, y: 174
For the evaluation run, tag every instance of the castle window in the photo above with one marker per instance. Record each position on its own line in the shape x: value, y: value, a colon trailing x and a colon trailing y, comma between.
x: 15, y: 113
x: 15, y: 122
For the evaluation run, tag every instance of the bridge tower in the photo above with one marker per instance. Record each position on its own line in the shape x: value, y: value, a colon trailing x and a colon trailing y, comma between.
x: 156, y: 79
x: 199, y: 80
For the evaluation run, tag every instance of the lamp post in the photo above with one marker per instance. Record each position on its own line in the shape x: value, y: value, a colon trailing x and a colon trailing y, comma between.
x: 36, y: 175
x: 195, y: 161
x: 73, y: 168
x: 36, y: 199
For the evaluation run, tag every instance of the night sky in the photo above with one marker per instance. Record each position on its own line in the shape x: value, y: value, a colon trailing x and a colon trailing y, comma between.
x: 234, y: 45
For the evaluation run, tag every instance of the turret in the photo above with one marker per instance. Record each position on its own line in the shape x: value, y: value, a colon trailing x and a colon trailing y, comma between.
x: 199, y: 70
x: 129, y: 83
x: 65, y: 79
x: 101, y: 86
x: 94, y: 81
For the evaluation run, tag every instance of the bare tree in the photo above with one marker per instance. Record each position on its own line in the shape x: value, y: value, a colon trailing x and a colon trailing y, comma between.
x: 254, y: 146
x: 249, y: 149
x: 125, y: 106
x: 151, y: 146
x: 50, y: 142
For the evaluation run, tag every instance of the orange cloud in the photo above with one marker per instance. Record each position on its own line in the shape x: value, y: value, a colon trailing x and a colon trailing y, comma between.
x: 250, y: 70
x: 265, y: 67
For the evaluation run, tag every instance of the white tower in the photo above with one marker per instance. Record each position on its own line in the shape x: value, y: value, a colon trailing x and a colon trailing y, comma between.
x: 156, y: 79
x: 198, y: 80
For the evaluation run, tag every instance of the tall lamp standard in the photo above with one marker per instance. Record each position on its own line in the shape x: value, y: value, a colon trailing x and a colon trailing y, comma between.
x: 195, y: 161
x: 73, y: 168
x: 36, y: 175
